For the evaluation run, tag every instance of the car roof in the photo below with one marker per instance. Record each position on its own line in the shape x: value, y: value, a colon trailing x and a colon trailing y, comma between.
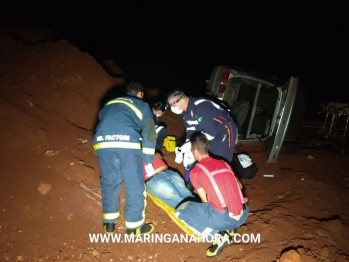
x: 245, y: 72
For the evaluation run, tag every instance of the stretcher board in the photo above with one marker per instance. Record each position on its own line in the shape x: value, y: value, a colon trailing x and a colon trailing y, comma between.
x: 171, y: 212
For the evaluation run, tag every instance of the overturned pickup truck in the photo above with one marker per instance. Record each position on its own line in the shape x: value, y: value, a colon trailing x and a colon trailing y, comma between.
x: 266, y: 109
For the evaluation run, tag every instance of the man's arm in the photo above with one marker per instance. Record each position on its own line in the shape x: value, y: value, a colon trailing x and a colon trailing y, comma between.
x: 233, y: 173
x: 202, y: 194
x: 240, y: 185
x: 237, y: 179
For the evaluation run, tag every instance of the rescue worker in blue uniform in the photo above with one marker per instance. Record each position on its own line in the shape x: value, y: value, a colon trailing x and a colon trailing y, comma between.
x: 205, y: 116
x: 125, y: 137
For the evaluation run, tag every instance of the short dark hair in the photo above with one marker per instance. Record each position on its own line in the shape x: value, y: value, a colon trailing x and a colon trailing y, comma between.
x: 199, y: 142
x: 175, y: 93
x: 134, y: 87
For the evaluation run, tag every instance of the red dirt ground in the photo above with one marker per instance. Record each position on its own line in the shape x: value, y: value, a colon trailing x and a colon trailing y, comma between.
x: 50, y: 96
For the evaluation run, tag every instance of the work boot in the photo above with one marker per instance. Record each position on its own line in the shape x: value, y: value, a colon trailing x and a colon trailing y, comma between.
x: 145, y: 229
x: 232, y: 232
x: 218, y: 245
x: 109, y: 228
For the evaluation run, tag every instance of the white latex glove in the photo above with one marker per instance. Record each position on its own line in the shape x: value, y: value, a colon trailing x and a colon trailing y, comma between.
x: 188, y: 159
x: 179, y: 155
x: 186, y: 147
x: 149, y: 169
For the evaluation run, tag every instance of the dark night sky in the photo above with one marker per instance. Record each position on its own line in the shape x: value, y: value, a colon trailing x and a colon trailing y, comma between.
x: 176, y: 44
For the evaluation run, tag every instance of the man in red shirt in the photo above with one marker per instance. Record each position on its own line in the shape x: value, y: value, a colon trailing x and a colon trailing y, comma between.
x: 223, y: 206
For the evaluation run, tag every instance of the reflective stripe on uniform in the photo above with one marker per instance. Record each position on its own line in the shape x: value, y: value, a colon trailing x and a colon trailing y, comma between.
x: 133, y: 225
x: 133, y: 108
x: 108, y: 216
x: 129, y: 145
x: 200, y: 101
x: 208, y: 136
x: 205, y: 100
x: 192, y: 122
x: 148, y: 151
x: 191, y: 128
x: 158, y: 128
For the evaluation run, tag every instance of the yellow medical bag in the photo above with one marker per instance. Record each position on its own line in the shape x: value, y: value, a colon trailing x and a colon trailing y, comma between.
x: 170, y: 143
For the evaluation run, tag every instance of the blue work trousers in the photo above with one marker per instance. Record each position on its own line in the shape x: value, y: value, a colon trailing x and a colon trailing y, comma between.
x: 115, y: 167
x: 207, y: 220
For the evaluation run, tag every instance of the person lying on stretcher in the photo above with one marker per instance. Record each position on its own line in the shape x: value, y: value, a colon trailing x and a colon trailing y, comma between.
x: 167, y: 185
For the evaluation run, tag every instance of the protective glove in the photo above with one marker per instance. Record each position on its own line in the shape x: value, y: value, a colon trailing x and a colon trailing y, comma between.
x: 186, y: 147
x: 179, y: 155
x: 149, y: 169
x: 188, y: 159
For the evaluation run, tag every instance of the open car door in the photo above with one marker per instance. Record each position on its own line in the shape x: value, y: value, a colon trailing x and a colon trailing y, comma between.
x: 274, y: 143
